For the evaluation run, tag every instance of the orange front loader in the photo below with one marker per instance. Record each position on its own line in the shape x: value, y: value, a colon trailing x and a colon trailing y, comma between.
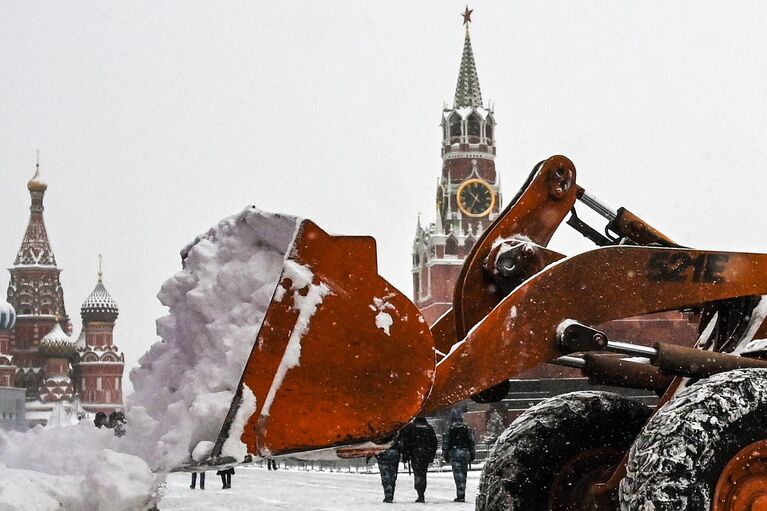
x: 347, y: 358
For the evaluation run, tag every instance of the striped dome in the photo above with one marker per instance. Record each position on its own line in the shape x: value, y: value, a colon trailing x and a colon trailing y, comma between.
x: 56, y: 343
x: 99, y: 306
x: 7, y: 315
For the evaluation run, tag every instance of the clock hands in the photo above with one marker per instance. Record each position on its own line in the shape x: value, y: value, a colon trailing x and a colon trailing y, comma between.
x: 475, y: 197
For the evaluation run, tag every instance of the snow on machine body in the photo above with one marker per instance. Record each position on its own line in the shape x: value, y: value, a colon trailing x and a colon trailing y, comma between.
x: 343, y: 359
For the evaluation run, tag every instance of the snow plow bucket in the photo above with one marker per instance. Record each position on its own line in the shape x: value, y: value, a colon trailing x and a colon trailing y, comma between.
x: 341, y: 356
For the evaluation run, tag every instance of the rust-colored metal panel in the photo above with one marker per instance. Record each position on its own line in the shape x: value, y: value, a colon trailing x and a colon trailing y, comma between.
x: 536, y: 213
x: 597, y: 286
x: 341, y: 358
x: 761, y: 332
x: 443, y: 332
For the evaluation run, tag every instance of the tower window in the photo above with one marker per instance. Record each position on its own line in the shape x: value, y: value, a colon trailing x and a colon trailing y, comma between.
x: 451, y: 246
x: 455, y: 128
x: 489, y: 132
x: 474, y: 125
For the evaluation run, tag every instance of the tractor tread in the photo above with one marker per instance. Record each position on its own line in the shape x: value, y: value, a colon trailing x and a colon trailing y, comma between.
x: 677, y: 458
x: 545, y: 431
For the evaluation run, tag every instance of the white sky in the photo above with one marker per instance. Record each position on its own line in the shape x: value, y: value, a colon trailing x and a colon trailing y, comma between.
x: 155, y: 119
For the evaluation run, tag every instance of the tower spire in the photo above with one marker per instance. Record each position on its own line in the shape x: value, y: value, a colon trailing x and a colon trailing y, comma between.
x: 467, y: 92
x: 35, y: 248
x: 101, y: 273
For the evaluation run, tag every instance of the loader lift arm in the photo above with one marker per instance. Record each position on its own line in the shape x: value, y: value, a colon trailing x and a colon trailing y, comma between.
x: 593, y: 287
x: 513, y: 249
x: 528, y: 223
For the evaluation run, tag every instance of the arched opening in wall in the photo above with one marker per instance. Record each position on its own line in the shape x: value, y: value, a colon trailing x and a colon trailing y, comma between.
x: 474, y: 125
x: 108, y: 357
x: 30, y: 381
x: 469, y: 244
x: 451, y: 245
x: 455, y: 128
x: 90, y: 357
x: 489, y: 131
x: 26, y: 298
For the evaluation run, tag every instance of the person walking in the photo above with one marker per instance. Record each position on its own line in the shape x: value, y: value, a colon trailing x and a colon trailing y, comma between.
x: 226, y: 477
x: 100, y: 420
x: 388, y: 466
x: 459, y: 450
x: 194, y: 480
x: 419, y: 445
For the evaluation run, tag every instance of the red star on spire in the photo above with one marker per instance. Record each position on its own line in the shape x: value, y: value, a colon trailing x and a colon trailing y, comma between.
x: 467, y: 15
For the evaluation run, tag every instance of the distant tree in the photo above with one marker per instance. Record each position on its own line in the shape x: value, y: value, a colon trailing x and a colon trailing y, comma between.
x: 495, y: 426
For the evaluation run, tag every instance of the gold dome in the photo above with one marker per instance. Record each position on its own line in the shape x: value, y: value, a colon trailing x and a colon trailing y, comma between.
x: 36, y: 184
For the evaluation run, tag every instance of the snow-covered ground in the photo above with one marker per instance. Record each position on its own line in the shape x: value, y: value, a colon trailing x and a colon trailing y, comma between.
x: 256, y: 488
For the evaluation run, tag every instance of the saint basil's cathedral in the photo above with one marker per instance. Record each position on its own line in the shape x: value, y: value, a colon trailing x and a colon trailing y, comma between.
x: 64, y: 377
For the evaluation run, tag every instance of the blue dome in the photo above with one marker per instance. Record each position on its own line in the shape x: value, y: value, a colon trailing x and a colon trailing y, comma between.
x: 7, y: 315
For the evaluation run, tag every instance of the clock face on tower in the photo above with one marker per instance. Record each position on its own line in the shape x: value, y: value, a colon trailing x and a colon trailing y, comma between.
x: 475, y: 198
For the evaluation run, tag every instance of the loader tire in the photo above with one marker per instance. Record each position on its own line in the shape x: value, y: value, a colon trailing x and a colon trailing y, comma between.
x: 548, y: 457
x: 705, y: 450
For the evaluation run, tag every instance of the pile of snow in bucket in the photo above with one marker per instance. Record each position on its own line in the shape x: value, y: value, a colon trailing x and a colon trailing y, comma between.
x: 183, y: 387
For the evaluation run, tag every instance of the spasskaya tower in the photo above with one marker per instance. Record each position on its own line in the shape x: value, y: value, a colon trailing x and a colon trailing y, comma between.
x: 468, y: 192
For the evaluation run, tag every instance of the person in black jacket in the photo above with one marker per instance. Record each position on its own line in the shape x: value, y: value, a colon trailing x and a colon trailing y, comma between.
x: 419, y: 445
x: 194, y: 480
x: 226, y: 477
x: 388, y: 466
x: 459, y: 450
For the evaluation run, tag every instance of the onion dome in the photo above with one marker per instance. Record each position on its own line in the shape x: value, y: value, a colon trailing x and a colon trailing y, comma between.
x: 7, y: 316
x: 36, y: 184
x: 99, y: 306
x: 57, y: 344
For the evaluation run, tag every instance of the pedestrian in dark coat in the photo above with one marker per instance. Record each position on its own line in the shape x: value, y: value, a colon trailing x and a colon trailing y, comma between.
x: 100, y: 420
x: 226, y: 477
x: 388, y: 466
x: 419, y: 445
x: 459, y: 450
x: 194, y: 480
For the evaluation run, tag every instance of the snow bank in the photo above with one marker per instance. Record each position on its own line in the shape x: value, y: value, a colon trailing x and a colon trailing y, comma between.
x: 71, y: 468
x: 183, y: 386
